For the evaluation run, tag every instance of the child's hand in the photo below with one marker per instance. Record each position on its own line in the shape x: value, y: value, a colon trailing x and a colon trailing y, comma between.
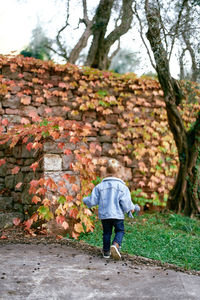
x: 136, y: 209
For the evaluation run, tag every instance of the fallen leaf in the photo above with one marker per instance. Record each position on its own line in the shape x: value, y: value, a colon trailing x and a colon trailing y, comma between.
x: 25, y: 121
x: 5, y: 122
x: 3, y: 237
x: 78, y: 228
x: 65, y: 225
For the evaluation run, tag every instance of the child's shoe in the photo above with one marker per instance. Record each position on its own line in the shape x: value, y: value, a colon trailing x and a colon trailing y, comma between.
x: 115, y: 251
x: 106, y: 254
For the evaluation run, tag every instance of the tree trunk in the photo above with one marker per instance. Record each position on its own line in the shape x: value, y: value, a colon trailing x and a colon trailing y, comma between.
x: 184, y: 195
x: 194, y: 75
x: 99, y: 50
x: 102, y: 18
x: 82, y: 43
x: 181, y: 64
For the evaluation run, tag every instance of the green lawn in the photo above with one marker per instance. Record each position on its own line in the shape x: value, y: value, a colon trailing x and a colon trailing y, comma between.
x: 166, y: 237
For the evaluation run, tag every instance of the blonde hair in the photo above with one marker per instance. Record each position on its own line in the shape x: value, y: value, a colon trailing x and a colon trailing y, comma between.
x: 112, y: 167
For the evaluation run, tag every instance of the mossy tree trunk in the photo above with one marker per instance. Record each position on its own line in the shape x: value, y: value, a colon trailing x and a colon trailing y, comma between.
x: 184, y: 197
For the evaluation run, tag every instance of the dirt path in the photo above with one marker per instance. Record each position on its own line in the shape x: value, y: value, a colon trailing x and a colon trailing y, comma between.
x: 39, y: 269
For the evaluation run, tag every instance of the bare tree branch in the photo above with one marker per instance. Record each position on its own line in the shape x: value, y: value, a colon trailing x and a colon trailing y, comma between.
x: 82, y: 43
x: 85, y: 18
x: 186, y: 37
x: 54, y: 51
x: 61, y: 48
x: 177, y: 26
x: 85, y: 15
x: 142, y: 36
x: 182, y: 73
x: 126, y: 20
x: 115, y: 52
x: 162, y: 25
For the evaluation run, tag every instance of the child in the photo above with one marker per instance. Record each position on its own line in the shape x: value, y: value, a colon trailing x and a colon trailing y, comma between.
x: 114, y: 200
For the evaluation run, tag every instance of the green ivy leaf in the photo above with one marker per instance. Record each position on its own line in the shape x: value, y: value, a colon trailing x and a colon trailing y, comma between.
x: 61, y: 199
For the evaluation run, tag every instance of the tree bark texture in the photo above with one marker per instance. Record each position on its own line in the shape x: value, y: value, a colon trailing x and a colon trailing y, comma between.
x: 184, y: 197
x: 100, y: 47
x: 82, y: 43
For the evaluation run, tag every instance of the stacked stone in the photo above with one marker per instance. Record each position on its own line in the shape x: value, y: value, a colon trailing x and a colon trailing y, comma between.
x: 14, y: 200
x: 34, y: 88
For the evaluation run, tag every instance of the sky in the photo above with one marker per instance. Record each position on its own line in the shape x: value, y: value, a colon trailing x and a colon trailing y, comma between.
x: 19, y: 17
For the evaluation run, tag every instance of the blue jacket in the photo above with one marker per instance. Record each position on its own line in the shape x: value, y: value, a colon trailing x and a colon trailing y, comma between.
x: 113, y: 198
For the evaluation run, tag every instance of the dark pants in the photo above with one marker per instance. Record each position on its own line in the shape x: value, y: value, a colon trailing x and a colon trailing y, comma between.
x: 108, y: 225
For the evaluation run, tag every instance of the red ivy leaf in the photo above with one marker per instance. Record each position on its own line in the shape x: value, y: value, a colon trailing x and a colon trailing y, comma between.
x: 34, y: 166
x: 48, y: 110
x: 75, y: 235
x: 61, y: 145
x: 75, y: 188
x: 5, y: 122
x: 20, y: 75
x: 29, y: 146
x: 2, y: 162
x: 66, y: 108
x: 16, y: 221
x: 67, y: 151
x: 26, y: 100
x: 73, y: 213
x: 15, y: 170
x: 78, y: 228
x: 65, y: 225
x: 18, y: 185
x: 28, y: 223
x: 62, y: 85
x: 69, y: 198
x: 36, y: 199
x: 63, y: 190
x: 25, y: 121
x: 60, y: 219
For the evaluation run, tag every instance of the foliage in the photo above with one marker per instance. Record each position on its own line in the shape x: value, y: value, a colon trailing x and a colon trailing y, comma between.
x: 54, y: 198
x: 38, y: 47
x: 139, y: 197
x: 141, y: 135
x: 166, y: 237
x: 178, y: 28
x: 125, y: 61
x: 96, y: 181
x: 95, y: 21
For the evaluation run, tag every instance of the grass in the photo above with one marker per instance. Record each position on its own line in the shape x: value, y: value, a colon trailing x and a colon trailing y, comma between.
x: 170, y: 238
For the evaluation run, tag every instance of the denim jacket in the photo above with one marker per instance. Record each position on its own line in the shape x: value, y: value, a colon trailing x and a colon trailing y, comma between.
x: 113, y: 198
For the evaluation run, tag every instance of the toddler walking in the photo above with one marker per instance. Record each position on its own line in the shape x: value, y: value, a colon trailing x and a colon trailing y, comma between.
x: 114, y: 200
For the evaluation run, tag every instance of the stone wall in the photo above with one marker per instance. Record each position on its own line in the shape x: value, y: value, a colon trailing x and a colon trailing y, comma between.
x: 16, y: 200
x: 116, y: 107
